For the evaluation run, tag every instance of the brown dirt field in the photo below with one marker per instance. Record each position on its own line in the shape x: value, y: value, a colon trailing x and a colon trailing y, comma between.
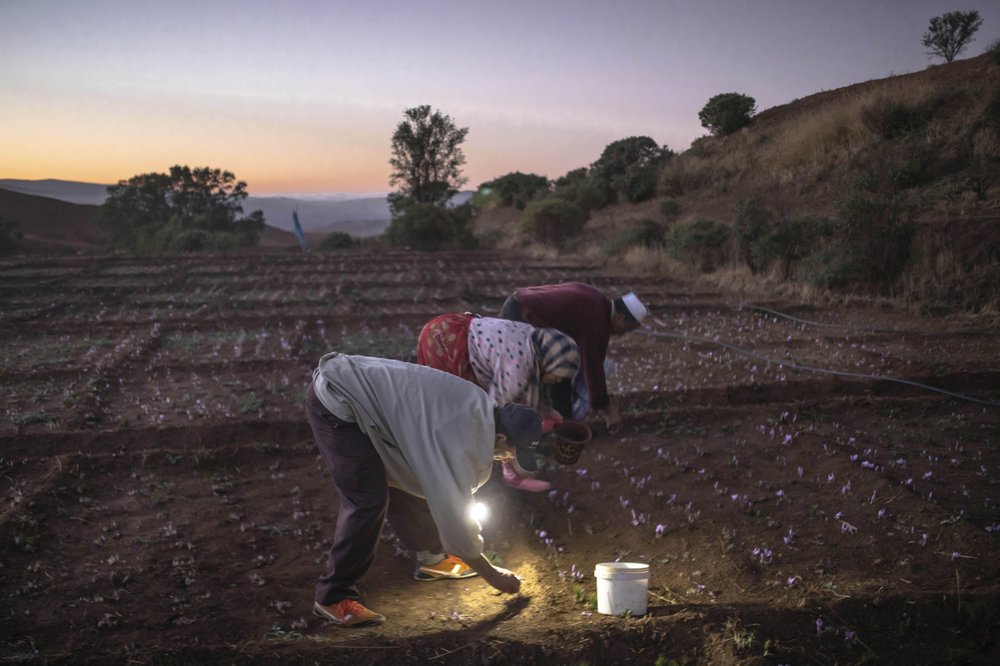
x: 162, y: 501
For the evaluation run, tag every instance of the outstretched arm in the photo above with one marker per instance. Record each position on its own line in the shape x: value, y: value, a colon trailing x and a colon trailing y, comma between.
x: 500, y: 578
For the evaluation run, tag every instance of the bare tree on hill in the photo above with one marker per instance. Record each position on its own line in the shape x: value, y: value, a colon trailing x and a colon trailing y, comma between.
x: 949, y: 34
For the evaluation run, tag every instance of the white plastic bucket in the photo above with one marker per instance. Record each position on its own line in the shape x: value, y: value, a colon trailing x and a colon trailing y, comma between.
x: 622, y: 587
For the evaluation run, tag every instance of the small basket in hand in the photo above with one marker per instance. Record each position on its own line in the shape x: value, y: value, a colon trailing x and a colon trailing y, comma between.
x: 571, y: 436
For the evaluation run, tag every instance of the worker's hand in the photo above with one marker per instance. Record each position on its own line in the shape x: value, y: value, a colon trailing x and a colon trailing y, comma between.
x: 548, y: 424
x: 612, y: 419
x: 504, y: 580
x: 500, y: 578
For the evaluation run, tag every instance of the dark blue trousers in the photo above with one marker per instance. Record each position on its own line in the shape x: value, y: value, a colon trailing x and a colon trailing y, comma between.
x: 365, y: 501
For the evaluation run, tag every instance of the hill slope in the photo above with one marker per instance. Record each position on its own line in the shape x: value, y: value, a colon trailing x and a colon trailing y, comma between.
x: 358, y: 216
x: 851, y: 166
x: 63, y: 190
x: 49, y: 224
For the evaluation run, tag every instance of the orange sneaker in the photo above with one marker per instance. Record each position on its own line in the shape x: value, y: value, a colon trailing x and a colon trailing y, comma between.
x: 449, y: 567
x: 348, y: 613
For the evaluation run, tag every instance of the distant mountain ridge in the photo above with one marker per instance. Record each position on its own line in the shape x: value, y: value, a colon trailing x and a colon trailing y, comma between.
x: 48, y: 224
x: 358, y: 216
x: 92, y: 194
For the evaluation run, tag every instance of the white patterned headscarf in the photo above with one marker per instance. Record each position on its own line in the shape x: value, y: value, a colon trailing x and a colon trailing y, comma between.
x: 509, y: 359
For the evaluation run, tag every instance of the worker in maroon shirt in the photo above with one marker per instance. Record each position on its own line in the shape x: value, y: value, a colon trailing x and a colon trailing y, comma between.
x: 590, y: 318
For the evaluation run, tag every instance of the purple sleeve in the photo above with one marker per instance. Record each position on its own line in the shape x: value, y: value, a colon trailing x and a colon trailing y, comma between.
x: 581, y: 312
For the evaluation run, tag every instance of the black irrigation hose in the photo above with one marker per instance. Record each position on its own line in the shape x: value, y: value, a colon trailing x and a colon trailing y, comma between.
x: 826, y: 371
x: 866, y: 329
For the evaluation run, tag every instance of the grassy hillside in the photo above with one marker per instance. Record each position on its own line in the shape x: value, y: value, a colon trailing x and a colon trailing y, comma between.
x: 917, y: 155
x: 935, y: 131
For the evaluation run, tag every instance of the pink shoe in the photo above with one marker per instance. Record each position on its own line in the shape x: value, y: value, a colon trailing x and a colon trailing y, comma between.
x: 515, y: 480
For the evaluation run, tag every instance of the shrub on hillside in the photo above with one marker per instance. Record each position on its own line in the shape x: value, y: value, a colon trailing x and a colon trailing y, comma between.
x: 677, y: 177
x: 177, y: 237
x: 647, y: 233
x: 337, y: 240
x: 432, y: 227
x: 763, y: 238
x: 703, y: 243
x: 752, y: 229
x: 919, y: 165
x: 192, y: 240
x: 982, y: 174
x: 794, y: 240
x: 889, y: 119
x: 552, y: 221
x: 670, y: 208
x: 829, y: 267
x: 878, y: 233
x: 877, y: 229
x: 586, y: 192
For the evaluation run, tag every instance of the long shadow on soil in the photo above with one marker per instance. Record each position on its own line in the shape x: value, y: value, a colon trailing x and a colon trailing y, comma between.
x: 935, y: 628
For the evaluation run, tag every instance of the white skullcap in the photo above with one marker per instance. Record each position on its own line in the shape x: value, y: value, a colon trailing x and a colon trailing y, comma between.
x: 634, y: 306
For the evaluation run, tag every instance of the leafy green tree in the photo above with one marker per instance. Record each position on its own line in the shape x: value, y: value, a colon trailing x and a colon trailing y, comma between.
x: 628, y: 167
x: 183, y: 210
x: 949, y: 34
x: 727, y: 112
x: 426, y: 159
x: 516, y: 189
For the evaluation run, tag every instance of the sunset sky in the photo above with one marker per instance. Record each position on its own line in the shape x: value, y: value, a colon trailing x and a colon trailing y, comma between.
x: 302, y: 96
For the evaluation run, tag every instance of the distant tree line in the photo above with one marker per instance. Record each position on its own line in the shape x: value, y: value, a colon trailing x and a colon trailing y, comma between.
x: 184, y: 210
x: 201, y: 209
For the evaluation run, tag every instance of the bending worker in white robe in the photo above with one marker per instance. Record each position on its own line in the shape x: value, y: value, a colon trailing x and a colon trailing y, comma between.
x: 413, y: 444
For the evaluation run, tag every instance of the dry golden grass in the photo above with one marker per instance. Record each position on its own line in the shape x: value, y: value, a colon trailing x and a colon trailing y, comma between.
x: 805, y: 141
x: 651, y: 261
x: 806, y: 158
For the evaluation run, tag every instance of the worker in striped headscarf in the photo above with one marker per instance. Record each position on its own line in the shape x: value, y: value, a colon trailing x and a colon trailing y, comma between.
x: 512, y: 361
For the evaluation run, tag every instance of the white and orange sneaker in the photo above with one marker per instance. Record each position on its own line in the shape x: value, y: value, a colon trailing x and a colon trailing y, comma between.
x: 348, y: 613
x: 450, y: 567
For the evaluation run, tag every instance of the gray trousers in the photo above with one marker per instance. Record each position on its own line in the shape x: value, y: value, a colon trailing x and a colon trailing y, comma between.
x: 365, y: 501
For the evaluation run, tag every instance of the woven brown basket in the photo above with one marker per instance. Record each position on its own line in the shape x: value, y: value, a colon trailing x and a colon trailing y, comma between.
x: 571, y: 436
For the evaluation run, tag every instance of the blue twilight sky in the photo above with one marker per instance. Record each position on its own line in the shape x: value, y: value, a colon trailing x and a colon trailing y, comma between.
x: 303, y: 95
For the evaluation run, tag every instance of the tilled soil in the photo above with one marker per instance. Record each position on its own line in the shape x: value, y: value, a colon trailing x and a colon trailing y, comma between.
x: 163, y: 501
